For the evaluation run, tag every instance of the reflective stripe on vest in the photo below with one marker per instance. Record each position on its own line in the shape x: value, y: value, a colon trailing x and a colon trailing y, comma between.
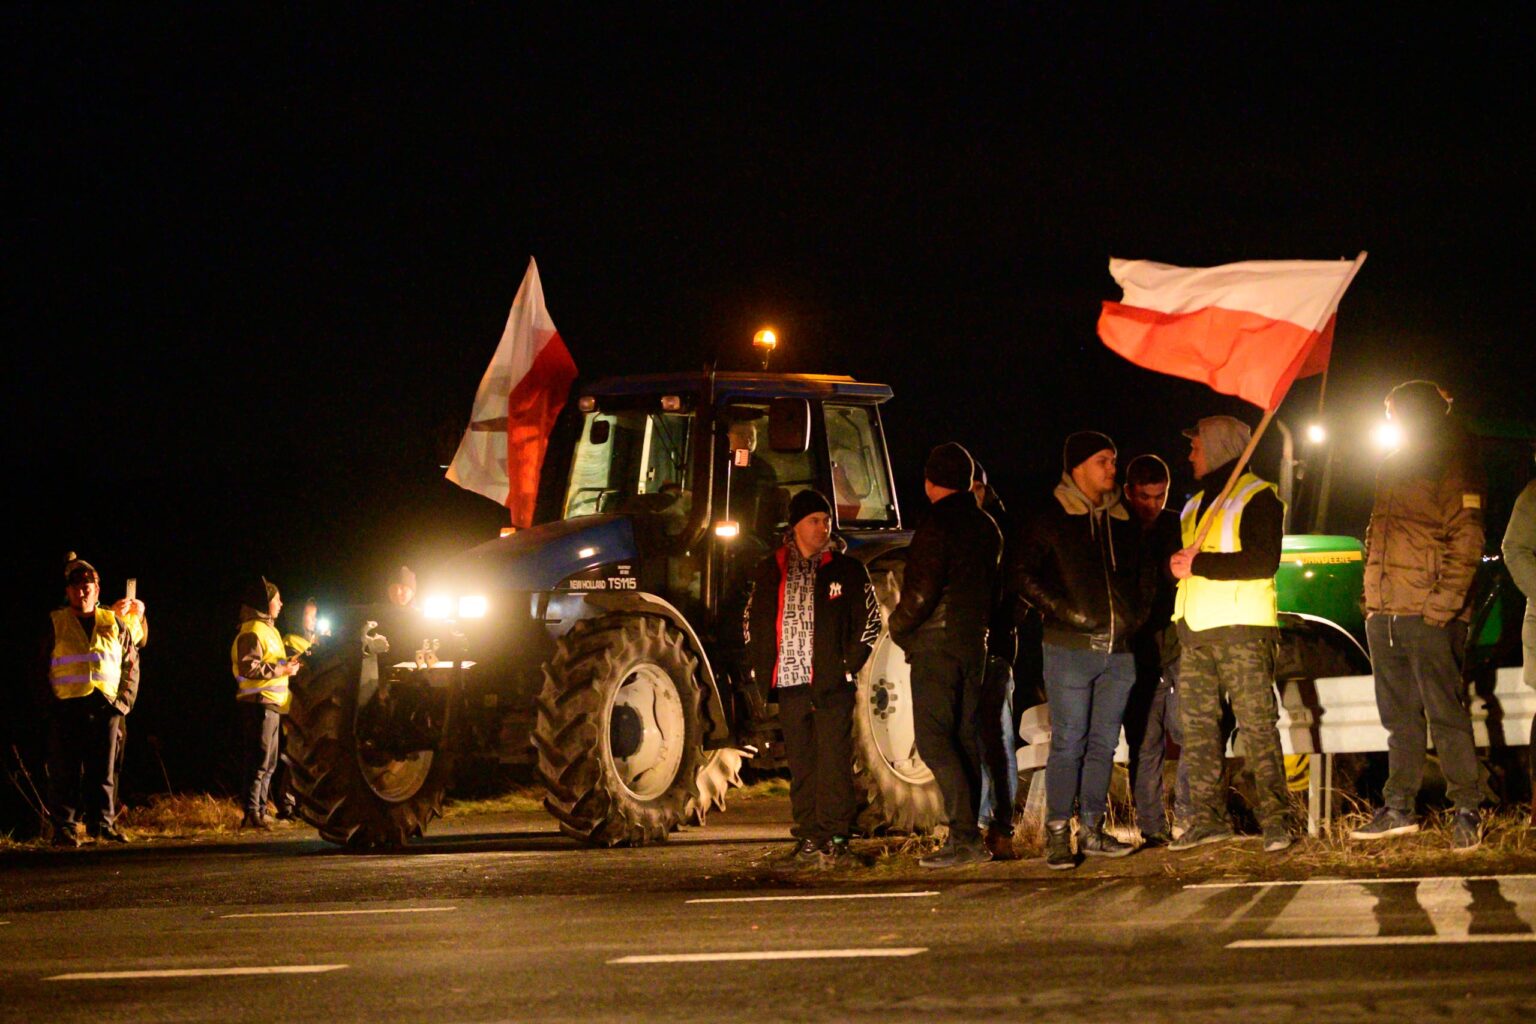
x: 272, y: 692
x: 81, y: 664
x: 1208, y: 604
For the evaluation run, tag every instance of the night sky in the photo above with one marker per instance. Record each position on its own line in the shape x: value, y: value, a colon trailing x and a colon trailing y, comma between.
x: 256, y: 262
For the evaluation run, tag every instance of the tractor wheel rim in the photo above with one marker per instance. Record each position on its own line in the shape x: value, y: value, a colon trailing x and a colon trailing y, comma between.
x: 646, y: 701
x: 890, y: 715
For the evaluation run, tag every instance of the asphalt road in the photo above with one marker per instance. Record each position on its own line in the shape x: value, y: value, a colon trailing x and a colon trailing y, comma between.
x: 505, y: 921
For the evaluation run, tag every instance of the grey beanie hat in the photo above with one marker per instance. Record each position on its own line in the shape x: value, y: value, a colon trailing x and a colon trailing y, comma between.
x: 1222, y: 437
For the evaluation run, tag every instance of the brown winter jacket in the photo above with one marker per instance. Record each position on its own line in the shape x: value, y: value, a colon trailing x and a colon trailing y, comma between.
x: 1425, y: 538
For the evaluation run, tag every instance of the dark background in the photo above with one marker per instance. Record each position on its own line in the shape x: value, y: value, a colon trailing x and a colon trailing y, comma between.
x: 257, y: 258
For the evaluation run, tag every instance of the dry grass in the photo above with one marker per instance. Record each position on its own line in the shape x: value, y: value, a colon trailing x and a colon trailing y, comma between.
x: 518, y: 800
x: 180, y: 816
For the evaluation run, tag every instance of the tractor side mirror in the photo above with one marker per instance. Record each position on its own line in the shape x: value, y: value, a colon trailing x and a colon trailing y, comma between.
x: 599, y: 432
x: 789, y: 425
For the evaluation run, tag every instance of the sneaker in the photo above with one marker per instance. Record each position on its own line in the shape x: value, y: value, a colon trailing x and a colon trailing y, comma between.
x: 1389, y: 821
x: 1000, y: 844
x: 1058, y: 846
x: 1199, y: 835
x: 835, y: 849
x: 1093, y: 841
x: 109, y: 834
x: 954, y: 855
x: 1466, y: 831
x: 1276, y: 838
x: 1151, y: 841
x: 807, y: 851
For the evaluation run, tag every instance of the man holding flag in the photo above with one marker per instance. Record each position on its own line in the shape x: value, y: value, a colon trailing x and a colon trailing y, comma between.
x: 1246, y: 329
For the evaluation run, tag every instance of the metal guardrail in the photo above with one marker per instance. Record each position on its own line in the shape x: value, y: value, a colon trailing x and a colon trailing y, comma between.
x: 1334, y: 715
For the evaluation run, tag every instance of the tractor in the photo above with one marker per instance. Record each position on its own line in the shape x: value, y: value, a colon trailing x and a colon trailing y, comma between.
x: 602, y: 648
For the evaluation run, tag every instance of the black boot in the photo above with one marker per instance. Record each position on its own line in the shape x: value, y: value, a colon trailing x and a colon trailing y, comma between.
x: 1058, y: 845
x: 1095, y: 842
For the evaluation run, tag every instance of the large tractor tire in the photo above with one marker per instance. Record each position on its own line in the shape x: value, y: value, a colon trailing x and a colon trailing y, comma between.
x: 356, y: 798
x: 618, y: 730
x: 900, y: 791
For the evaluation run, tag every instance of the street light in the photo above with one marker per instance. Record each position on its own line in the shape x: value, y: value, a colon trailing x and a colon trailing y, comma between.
x: 765, y: 341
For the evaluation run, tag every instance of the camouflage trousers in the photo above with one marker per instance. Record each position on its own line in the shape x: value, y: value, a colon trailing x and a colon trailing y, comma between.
x: 1243, y: 673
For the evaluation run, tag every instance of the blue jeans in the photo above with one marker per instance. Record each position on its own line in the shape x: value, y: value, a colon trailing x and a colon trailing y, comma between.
x: 999, y: 752
x: 1087, y: 691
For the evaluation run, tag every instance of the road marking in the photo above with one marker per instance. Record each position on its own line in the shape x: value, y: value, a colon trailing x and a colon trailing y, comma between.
x: 822, y: 896
x: 340, y: 913
x: 1377, y: 940
x: 197, y: 972
x: 771, y: 954
x: 1359, y: 881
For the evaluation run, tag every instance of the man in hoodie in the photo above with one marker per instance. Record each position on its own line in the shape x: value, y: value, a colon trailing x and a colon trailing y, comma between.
x: 1422, y: 549
x: 810, y: 622
x: 1227, y: 617
x: 941, y: 623
x: 1079, y: 561
x: 262, y: 669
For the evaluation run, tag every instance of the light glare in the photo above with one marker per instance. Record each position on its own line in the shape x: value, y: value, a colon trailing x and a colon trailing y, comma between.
x: 472, y: 607
x: 1316, y: 434
x: 1388, y: 436
x: 437, y: 606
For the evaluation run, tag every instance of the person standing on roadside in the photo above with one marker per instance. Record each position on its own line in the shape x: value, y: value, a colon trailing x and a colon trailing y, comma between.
x: 297, y: 646
x: 1423, y: 545
x: 998, y: 743
x: 1152, y: 713
x: 92, y: 669
x: 1080, y: 563
x: 1227, y: 615
x: 810, y: 622
x: 1520, y: 558
x: 262, y: 670
x: 947, y: 593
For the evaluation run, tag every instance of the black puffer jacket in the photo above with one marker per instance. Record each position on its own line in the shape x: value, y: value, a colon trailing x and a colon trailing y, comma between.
x: 1084, y: 570
x: 846, y: 624
x: 950, y: 581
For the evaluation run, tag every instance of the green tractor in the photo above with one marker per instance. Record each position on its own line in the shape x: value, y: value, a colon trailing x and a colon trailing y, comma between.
x: 602, y: 648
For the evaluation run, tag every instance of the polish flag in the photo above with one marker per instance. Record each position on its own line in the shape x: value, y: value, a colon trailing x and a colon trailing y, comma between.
x: 520, y: 395
x: 1246, y: 329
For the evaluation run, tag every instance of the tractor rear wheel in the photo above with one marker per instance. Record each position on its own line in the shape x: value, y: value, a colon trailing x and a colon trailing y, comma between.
x: 720, y: 772
x: 618, y: 730
x: 355, y: 795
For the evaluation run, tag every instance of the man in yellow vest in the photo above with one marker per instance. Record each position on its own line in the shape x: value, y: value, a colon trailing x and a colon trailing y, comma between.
x: 262, y: 669
x: 1228, y: 622
x: 93, y: 663
x: 297, y: 645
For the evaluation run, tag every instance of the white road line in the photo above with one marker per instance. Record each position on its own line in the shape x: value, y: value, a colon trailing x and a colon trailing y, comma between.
x: 197, y: 972
x: 1378, y: 940
x: 1359, y: 881
x: 820, y: 896
x: 771, y: 954
x: 340, y: 913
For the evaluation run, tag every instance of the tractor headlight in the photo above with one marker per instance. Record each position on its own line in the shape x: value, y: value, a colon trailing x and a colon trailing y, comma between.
x: 437, y: 606
x: 472, y: 607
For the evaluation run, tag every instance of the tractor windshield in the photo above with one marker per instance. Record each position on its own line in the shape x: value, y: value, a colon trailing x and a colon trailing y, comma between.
x: 633, y: 462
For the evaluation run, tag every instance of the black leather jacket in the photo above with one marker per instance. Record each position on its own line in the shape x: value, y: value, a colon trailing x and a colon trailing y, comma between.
x: 950, y: 581
x: 1086, y: 573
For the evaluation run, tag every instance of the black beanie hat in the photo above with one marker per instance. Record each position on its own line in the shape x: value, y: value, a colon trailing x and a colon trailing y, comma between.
x: 1419, y: 400
x: 1082, y: 446
x: 805, y: 503
x: 258, y: 594
x: 949, y: 465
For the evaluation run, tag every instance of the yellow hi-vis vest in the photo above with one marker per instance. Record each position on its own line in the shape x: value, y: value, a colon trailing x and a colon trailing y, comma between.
x: 1207, y: 604
x: 271, y: 692
x: 83, y: 663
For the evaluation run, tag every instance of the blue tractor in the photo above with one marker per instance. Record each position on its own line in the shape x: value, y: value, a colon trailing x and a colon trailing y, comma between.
x: 603, y: 647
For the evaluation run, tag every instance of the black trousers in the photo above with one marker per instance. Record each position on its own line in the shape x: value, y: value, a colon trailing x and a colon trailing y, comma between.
x: 259, y: 726
x: 818, y: 743
x: 996, y: 689
x: 946, y: 701
x: 1150, y: 717
x: 82, y: 756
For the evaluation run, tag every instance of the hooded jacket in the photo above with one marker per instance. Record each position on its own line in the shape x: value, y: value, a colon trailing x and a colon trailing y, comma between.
x: 1083, y: 566
x: 1425, y: 538
x: 845, y: 625
x: 949, y: 584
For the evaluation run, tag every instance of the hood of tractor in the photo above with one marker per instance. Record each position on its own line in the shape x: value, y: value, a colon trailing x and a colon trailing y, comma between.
x: 1323, y: 575
x: 538, y: 559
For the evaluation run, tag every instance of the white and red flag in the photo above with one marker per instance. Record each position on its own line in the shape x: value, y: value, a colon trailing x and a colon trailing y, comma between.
x: 1247, y: 329
x: 520, y: 395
